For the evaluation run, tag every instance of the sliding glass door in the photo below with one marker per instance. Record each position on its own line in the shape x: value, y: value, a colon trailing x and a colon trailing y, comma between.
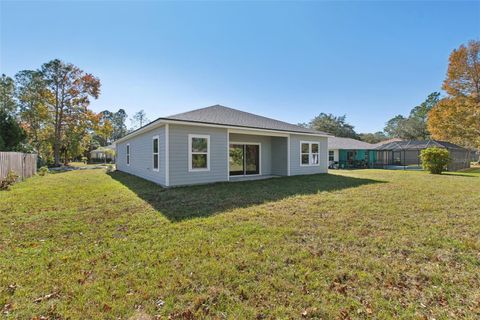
x: 244, y: 159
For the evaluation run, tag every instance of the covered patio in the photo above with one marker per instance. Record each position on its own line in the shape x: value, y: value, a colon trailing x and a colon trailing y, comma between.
x: 254, y: 156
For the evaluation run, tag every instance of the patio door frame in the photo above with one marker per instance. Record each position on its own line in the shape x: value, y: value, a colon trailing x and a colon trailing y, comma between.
x: 244, y: 159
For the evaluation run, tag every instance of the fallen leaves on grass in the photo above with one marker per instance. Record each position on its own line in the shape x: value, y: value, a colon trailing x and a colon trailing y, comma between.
x: 46, y: 297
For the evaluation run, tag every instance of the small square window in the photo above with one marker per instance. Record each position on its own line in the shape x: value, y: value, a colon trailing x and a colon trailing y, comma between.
x: 305, y: 158
x: 305, y: 147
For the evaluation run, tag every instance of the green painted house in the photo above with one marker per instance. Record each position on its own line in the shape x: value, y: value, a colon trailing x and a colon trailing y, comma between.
x: 350, y: 153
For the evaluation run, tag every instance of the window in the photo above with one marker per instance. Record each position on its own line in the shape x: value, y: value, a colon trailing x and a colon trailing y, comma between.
x: 155, y: 148
x: 198, y: 152
x: 351, y: 156
x: 331, y: 156
x: 309, y: 153
x: 128, y: 154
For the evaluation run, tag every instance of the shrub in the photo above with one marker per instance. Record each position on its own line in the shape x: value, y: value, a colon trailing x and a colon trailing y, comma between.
x: 435, y: 159
x: 43, y: 171
x: 9, y: 180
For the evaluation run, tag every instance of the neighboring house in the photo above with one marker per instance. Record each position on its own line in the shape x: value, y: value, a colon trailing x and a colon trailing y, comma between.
x: 101, y: 154
x: 220, y: 144
x: 350, y: 153
x: 406, y: 154
x: 384, y: 142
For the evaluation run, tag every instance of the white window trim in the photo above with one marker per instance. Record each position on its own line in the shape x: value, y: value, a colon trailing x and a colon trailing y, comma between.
x: 167, y: 155
x: 158, y: 154
x: 259, y: 158
x: 310, y: 153
x: 333, y: 155
x: 190, y: 153
x: 288, y: 155
x: 128, y: 154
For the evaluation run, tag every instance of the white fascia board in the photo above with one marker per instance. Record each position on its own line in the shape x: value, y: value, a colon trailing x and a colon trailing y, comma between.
x: 238, y: 129
x: 233, y: 129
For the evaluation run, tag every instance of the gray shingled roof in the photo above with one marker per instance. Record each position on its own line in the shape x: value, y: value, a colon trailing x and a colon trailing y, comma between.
x: 221, y: 115
x: 348, y: 144
x: 381, y: 143
x: 417, y: 145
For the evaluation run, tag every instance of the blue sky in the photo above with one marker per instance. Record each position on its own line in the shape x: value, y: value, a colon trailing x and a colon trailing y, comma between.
x: 285, y: 60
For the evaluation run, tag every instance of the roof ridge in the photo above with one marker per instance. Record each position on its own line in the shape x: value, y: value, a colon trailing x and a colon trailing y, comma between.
x: 245, y: 113
x: 198, y: 109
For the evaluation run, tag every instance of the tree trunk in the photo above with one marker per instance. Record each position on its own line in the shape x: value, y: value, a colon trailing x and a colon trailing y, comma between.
x: 56, y: 142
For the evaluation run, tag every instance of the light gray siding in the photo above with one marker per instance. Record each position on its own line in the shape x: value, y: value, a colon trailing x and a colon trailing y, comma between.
x: 265, y: 149
x: 279, y: 156
x: 295, y: 167
x: 274, y: 155
x: 178, y: 145
x: 141, y: 156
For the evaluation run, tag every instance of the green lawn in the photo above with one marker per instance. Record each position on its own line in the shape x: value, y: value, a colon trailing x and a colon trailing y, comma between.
x: 349, y: 245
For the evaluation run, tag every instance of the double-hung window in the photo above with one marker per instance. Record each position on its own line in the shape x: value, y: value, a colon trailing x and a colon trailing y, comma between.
x: 128, y: 154
x: 331, y: 155
x: 198, y: 152
x: 309, y: 153
x: 155, y: 157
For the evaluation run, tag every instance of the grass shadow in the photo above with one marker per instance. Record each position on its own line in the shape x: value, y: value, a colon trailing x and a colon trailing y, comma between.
x: 205, y: 200
x: 461, y: 174
x: 64, y: 169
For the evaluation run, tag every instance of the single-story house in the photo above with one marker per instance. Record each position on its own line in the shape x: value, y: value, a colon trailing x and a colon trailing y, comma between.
x: 102, y: 154
x: 220, y: 144
x: 405, y: 154
x: 350, y: 153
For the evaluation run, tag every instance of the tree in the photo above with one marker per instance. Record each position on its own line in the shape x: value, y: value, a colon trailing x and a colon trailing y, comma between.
x: 396, y: 127
x: 71, y: 89
x: 118, y: 124
x: 373, y: 137
x: 139, y: 119
x: 413, y: 127
x: 435, y: 159
x: 103, y: 129
x: 7, y: 95
x: 456, y: 118
x: 77, y: 133
x: 336, y: 126
x: 117, y: 127
x: 12, y: 136
x: 33, y: 98
x: 463, y: 74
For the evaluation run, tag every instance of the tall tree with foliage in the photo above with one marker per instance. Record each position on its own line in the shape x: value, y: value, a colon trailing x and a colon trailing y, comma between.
x: 119, y: 127
x: 139, y: 119
x: 104, y: 128
x: 463, y: 74
x: 112, y: 126
x: 33, y: 98
x: 7, y: 95
x: 71, y: 88
x: 456, y: 118
x: 373, y: 137
x: 334, y: 125
x: 12, y: 136
x: 413, y: 127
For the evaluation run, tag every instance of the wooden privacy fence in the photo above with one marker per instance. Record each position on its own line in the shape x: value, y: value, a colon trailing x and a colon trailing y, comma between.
x: 24, y: 164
